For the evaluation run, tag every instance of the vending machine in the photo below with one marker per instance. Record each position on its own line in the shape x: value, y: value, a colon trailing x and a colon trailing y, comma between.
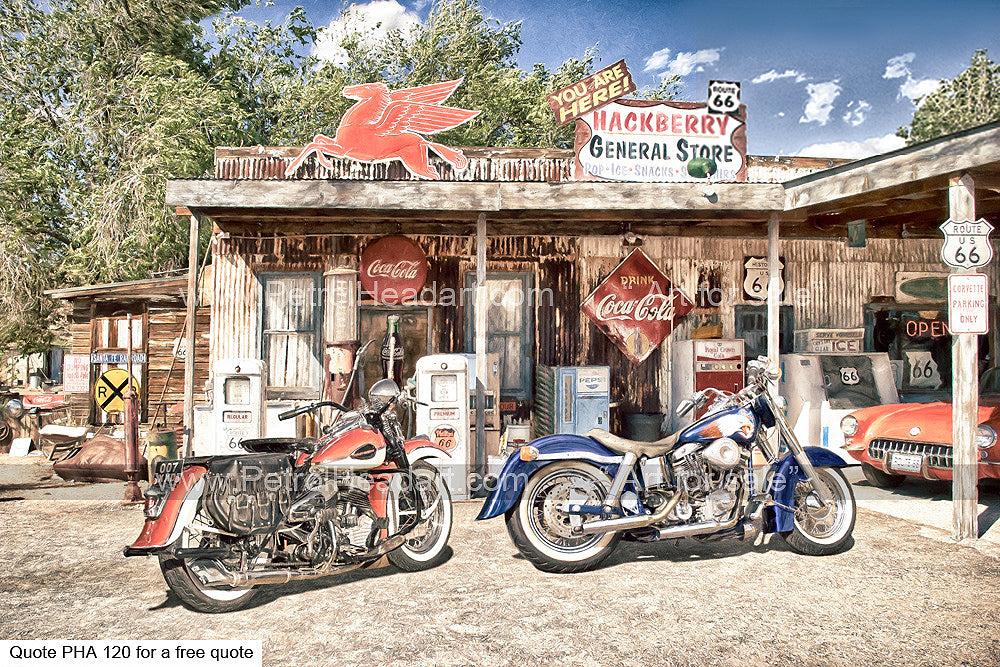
x: 238, y: 406
x: 443, y: 389
x: 701, y: 364
x: 571, y: 399
x: 820, y: 389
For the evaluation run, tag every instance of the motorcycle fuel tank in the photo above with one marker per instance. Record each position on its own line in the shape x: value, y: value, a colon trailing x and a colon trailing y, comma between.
x: 357, y: 449
x: 738, y: 423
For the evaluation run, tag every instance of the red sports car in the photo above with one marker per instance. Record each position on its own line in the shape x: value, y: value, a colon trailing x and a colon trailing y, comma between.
x: 893, y: 441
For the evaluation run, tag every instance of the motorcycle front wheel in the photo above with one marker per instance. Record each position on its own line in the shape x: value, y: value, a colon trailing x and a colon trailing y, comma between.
x: 543, y: 532
x: 193, y: 594
x: 822, y: 530
x: 425, y: 552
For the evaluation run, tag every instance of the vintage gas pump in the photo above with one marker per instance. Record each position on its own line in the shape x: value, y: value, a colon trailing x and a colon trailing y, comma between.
x: 238, y: 405
x: 443, y: 385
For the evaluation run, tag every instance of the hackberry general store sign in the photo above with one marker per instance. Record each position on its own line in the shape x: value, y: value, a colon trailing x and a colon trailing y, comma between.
x: 650, y: 141
x: 636, y: 306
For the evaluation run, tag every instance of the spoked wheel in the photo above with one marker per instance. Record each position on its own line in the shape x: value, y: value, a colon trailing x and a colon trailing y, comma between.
x: 186, y: 585
x: 425, y: 552
x: 821, y: 530
x: 541, y: 529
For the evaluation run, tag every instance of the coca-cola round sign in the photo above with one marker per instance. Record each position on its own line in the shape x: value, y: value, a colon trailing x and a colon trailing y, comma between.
x: 393, y: 269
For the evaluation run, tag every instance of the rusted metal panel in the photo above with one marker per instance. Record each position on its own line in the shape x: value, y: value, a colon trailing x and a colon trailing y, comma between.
x: 485, y: 164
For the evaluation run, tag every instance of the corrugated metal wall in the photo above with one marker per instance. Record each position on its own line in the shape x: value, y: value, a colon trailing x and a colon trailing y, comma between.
x: 827, y: 284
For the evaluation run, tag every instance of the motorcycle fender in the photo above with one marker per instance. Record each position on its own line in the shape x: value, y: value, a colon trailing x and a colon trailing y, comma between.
x: 515, y: 473
x: 787, y: 474
x: 418, y: 448
x: 181, y: 506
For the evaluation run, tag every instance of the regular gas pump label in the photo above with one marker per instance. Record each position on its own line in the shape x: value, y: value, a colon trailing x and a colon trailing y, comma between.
x: 153, y: 653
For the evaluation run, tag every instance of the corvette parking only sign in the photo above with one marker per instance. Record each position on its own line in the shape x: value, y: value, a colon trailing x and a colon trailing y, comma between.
x: 968, y: 296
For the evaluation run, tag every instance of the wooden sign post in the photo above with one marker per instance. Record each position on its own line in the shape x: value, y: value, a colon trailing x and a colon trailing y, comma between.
x: 965, y: 393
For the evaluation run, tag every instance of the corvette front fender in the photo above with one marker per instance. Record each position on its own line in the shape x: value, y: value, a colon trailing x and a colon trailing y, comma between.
x: 515, y: 473
x: 787, y: 474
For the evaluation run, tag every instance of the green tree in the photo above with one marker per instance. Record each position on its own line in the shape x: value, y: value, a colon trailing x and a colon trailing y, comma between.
x: 99, y: 101
x: 972, y: 98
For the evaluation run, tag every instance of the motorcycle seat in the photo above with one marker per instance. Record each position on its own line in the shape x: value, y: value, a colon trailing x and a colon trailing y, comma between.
x: 277, y: 445
x: 637, y: 447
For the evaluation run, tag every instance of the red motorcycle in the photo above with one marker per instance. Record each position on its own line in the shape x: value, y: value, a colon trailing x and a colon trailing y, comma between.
x: 295, y: 509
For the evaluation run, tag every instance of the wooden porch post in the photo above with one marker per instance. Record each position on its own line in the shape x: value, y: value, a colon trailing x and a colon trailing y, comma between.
x: 482, y: 306
x: 192, y: 309
x: 773, y: 290
x: 965, y: 393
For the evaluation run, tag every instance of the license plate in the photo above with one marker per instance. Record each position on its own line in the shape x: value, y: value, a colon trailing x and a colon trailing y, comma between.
x: 167, y: 473
x: 906, y: 462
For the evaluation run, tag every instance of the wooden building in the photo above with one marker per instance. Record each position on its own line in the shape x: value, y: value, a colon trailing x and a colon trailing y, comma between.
x: 98, y: 331
x: 560, y: 238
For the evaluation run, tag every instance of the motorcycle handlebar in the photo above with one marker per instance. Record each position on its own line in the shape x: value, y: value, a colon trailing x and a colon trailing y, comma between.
x: 295, y: 412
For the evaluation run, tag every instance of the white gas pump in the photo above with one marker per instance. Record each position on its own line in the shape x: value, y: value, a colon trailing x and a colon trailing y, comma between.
x: 820, y: 389
x: 238, y: 406
x: 443, y: 385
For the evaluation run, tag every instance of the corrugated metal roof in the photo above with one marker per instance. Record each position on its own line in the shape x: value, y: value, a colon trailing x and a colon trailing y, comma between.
x: 539, y: 165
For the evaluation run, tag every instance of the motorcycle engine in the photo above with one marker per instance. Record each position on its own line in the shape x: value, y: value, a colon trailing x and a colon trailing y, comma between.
x: 356, y: 522
x: 710, y: 478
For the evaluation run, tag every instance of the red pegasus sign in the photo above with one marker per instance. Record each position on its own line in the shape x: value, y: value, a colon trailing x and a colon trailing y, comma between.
x: 384, y: 126
x: 636, y: 306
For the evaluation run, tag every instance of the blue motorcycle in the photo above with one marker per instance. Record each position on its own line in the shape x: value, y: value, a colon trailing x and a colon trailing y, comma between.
x: 569, y: 499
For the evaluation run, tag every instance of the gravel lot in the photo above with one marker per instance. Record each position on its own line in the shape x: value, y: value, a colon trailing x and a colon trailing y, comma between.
x: 896, y: 597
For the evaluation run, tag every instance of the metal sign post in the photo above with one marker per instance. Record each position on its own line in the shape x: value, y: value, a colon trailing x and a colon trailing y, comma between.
x: 132, y: 492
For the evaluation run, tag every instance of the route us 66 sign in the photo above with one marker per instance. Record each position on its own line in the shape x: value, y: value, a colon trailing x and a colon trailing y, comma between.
x: 723, y: 96
x: 755, y: 278
x: 966, y: 243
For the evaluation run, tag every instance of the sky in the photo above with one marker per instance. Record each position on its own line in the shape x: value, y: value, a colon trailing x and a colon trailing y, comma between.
x: 821, y: 79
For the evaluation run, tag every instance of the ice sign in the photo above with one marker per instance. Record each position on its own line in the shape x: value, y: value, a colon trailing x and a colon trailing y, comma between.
x: 966, y: 243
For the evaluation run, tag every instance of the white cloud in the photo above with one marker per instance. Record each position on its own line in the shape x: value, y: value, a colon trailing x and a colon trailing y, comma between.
x: 820, y: 102
x: 657, y: 61
x: 857, y: 113
x: 912, y: 89
x: 854, y: 150
x: 773, y: 75
x: 915, y: 90
x: 683, y: 63
x: 371, y: 21
x: 899, y: 66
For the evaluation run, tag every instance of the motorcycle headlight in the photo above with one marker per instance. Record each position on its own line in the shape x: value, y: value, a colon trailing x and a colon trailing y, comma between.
x: 986, y: 437
x: 849, y: 425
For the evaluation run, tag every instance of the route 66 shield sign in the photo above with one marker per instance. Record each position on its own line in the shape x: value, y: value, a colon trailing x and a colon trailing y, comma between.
x: 966, y: 243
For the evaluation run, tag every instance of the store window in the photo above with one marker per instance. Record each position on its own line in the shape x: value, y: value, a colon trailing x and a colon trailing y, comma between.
x: 509, y: 329
x: 290, y: 334
x: 918, y: 343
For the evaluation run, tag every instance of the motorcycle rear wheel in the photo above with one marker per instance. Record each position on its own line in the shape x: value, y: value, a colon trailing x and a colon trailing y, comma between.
x: 429, y: 551
x: 193, y: 594
x: 819, y: 530
x: 543, y: 533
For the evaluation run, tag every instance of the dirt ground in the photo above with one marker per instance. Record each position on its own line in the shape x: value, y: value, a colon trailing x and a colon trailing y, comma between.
x: 896, y: 598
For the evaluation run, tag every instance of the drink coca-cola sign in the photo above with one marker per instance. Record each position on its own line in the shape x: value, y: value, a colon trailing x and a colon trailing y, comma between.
x: 636, y: 306
x: 393, y: 269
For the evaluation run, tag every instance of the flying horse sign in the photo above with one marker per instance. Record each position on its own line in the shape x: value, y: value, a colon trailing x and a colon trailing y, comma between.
x: 387, y: 125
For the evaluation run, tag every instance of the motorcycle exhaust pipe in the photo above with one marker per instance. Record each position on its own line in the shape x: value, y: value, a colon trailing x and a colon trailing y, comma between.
x: 213, y: 574
x: 691, y: 530
x: 630, y: 522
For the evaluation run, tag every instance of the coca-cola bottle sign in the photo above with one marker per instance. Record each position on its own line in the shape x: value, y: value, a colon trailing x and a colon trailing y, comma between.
x: 636, y: 306
x: 393, y: 269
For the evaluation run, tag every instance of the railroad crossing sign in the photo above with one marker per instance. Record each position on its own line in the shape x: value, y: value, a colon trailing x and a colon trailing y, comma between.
x: 109, y: 390
x: 966, y: 243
